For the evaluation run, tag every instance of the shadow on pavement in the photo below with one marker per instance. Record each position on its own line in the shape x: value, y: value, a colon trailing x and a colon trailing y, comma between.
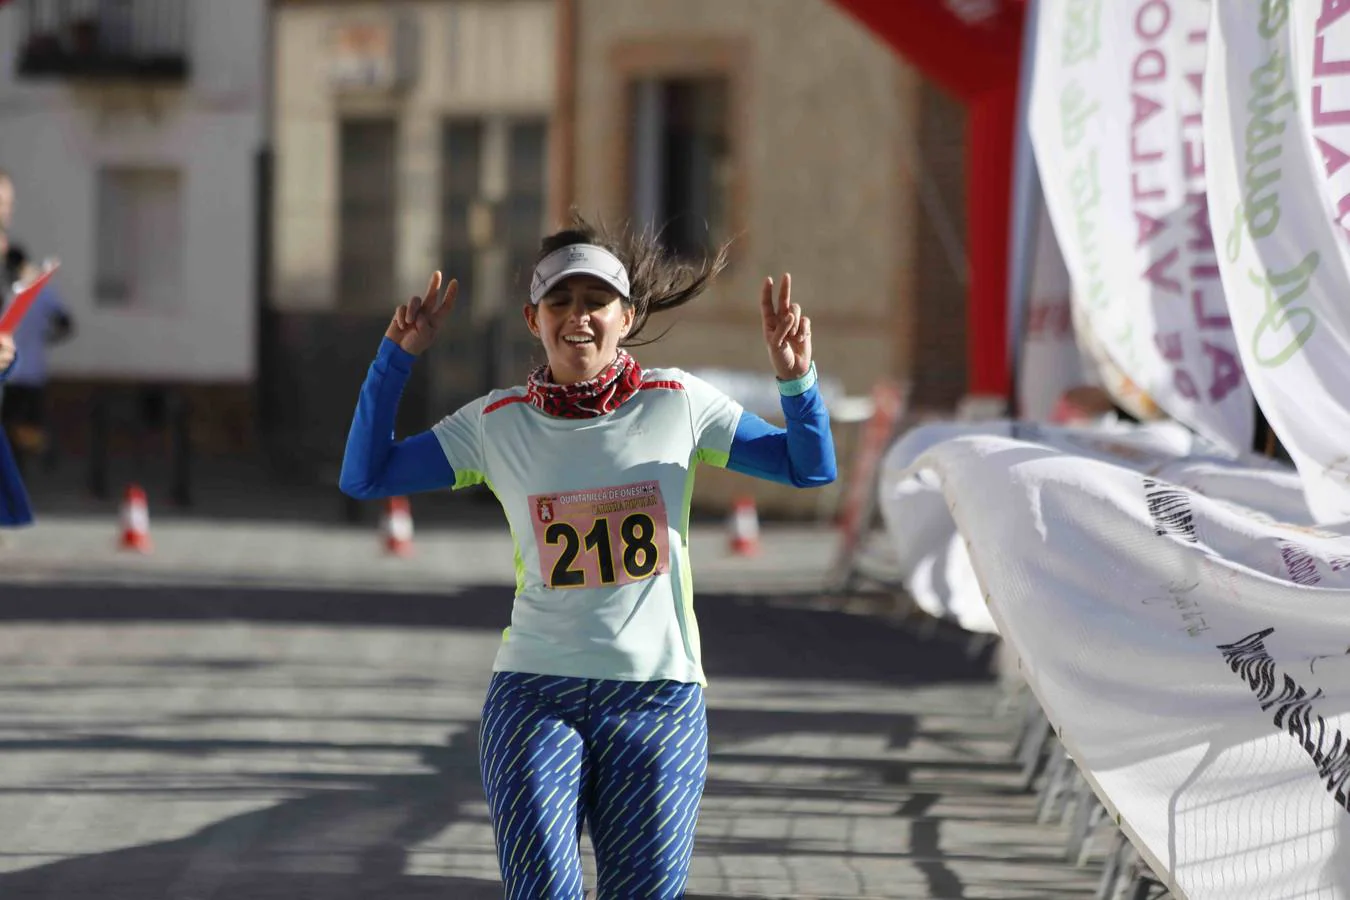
x: 741, y: 635
x: 341, y: 844
x: 350, y: 836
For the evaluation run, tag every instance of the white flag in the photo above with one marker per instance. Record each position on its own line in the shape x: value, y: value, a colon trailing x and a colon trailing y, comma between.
x: 930, y: 555
x: 1277, y: 134
x: 1115, y: 119
x: 1192, y: 653
x: 1049, y: 361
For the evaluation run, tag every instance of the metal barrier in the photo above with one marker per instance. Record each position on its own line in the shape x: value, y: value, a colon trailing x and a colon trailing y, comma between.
x: 1064, y: 795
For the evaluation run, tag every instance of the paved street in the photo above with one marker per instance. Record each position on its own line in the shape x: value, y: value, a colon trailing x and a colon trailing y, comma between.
x: 236, y: 743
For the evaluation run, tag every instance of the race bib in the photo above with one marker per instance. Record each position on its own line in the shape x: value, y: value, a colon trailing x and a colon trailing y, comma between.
x: 605, y: 536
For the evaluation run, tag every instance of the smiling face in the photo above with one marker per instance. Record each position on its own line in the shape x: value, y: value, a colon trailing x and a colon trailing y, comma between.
x: 580, y: 323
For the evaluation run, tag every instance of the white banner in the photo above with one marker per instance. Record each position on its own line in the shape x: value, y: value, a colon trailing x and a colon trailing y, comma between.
x: 1049, y: 362
x: 1115, y: 120
x: 1191, y: 653
x: 931, y: 557
x: 1277, y: 134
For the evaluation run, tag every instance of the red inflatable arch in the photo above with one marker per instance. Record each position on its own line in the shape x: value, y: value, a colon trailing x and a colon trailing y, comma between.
x: 972, y: 50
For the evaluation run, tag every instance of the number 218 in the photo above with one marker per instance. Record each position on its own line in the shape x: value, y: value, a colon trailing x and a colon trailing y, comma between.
x: 639, y: 558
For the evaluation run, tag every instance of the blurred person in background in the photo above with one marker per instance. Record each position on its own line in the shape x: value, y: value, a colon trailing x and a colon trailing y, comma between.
x: 595, y: 713
x: 14, y: 509
x: 24, y: 412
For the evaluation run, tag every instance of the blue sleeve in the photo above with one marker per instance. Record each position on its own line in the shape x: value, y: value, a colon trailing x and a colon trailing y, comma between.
x: 375, y: 465
x: 802, y: 455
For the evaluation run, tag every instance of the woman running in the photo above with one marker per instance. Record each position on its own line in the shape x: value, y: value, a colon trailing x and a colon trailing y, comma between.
x: 595, y: 713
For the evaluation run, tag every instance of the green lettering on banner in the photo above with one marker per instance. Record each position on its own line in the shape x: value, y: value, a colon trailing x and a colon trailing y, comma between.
x: 1085, y: 186
x: 1259, y: 213
x: 1284, y: 326
x: 1081, y: 38
x: 1274, y: 13
x: 1077, y: 111
x: 1282, y: 290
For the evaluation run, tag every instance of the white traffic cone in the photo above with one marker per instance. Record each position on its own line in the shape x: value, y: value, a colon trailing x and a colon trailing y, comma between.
x: 135, y: 521
x: 398, y: 527
x: 744, y: 527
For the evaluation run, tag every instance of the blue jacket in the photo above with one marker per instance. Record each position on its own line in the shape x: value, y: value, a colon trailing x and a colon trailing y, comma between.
x: 14, y: 507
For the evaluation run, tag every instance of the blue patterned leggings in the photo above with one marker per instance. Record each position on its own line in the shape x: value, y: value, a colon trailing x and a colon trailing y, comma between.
x: 628, y: 759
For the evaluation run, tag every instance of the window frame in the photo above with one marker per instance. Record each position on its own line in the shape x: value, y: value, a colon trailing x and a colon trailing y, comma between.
x: 636, y: 60
x: 122, y: 291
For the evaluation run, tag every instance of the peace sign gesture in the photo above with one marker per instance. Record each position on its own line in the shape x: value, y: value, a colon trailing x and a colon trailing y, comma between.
x: 786, y: 331
x: 416, y: 322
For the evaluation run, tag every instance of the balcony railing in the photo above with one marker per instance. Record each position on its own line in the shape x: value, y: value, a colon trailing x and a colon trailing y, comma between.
x: 144, y: 40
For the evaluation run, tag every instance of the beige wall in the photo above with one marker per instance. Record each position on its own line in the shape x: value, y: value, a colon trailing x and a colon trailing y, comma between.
x: 824, y: 196
x: 473, y: 56
x: 60, y: 134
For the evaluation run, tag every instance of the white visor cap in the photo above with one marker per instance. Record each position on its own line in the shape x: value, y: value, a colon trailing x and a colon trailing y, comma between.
x: 578, y: 259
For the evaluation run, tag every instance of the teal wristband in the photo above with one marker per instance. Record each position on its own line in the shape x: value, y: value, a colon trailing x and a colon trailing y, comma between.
x: 798, y: 386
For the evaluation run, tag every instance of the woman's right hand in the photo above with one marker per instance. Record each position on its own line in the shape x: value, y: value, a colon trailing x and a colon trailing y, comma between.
x: 416, y: 322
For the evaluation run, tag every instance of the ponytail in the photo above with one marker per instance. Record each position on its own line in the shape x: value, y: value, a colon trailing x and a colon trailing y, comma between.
x: 658, y: 281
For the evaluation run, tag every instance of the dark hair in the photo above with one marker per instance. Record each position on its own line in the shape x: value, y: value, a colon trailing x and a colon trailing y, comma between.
x: 15, y: 257
x: 658, y: 281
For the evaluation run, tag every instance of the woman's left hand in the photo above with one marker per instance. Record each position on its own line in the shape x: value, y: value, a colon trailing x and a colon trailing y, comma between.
x: 6, y: 352
x: 786, y: 331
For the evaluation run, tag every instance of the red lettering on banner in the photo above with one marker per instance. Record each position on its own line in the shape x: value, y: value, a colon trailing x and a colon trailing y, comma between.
x: 1152, y: 19
x: 1225, y: 372
x: 1322, y: 116
x: 1157, y: 272
x: 1144, y: 109
x: 1204, y: 319
x: 1323, y: 66
x: 1148, y: 69
x: 1193, y: 148
x: 1149, y: 66
x: 1202, y: 237
x: 1148, y: 227
x: 1193, y: 158
x: 1148, y: 99
x: 1169, y: 345
x: 1331, y: 11
x: 1138, y: 193
x: 1334, y: 159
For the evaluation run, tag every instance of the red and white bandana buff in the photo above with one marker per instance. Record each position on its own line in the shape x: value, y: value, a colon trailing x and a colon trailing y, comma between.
x: 603, y: 394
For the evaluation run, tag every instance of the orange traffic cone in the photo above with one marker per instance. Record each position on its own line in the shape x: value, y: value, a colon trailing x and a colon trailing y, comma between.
x: 398, y: 527
x: 135, y: 520
x: 744, y: 524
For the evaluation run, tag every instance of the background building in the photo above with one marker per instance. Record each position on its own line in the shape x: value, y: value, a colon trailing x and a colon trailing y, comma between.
x: 134, y: 132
